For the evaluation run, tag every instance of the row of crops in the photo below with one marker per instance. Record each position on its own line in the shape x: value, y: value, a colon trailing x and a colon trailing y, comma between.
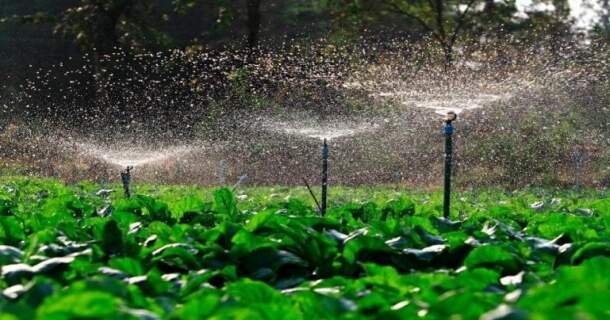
x: 85, y: 252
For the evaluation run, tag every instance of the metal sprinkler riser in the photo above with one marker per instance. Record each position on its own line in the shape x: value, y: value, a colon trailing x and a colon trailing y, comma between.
x: 126, y: 179
x: 448, y: 132
x: 324, y: 199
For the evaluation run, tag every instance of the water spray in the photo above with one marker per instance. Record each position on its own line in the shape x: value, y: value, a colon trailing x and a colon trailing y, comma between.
x: 448, y: 131
x: 126, y: 178
x: 324, y: 178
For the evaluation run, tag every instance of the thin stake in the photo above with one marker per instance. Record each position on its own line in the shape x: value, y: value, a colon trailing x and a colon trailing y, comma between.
x: 324, y: 178
x: 222, y: 168
x: 313, y: 195
x: 578, y: 158
x: 448, y: 131
x: 241, y: 180
x: 126, y: 179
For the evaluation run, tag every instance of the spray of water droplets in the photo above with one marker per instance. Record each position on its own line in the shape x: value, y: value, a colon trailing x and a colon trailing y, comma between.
x: 177, y: 115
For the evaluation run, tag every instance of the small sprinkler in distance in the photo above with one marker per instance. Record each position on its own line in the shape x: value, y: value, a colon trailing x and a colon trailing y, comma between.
x: 579, y: 156
x: 222, y: 172
x: 126, y: 179
x: 448, y: 131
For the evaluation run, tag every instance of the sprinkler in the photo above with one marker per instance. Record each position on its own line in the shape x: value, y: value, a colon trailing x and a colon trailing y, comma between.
x: 578, y: 159
x: 324, y: 178
x: 322, y: 205
x: 448, y: 131
x: 126, y: 178
x: 222, y: 172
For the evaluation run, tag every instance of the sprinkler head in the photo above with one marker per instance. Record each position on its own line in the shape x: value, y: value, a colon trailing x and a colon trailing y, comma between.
x: 127, y: 171
x: 450, y: 117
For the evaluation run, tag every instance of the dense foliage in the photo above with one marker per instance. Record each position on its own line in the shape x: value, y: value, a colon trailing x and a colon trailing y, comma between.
x: 85, y: 252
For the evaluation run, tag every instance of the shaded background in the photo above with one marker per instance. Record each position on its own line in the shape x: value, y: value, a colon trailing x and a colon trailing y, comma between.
x: 114, y: 74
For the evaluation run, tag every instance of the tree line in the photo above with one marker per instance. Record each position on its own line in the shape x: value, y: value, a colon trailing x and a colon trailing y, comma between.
x: 90, y: 31
x: 100, y: 26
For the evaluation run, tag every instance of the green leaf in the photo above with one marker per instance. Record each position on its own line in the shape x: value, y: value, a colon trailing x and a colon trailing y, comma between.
x: 6, y: 207
x: 493, y: 257
x: 11, y: 231
x: 190, y: 204
x: 366, y: 248
x: 130, y: 266
x: 260, y: 301
x: 365, y: 212
x: 9, y: 255
x: 591, y: 250
x: 112, y: 242
x: 398, y: 208
x: 578, y: 292
x: 463, y: 305
x: 157, y: 210
x: 318, y: 306
x: 79, y: 305
x: 176, y: 256
x: 297, y: 207
x: 200, y: 305
x: 131, y: 205
x: 225, y: 202
x: 245, y: 242
x: 476, y: 279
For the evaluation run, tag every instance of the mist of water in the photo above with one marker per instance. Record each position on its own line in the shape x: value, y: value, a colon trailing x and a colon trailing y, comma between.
x: 266, y: 118
x: 134, y: 156
x: 321, y: 130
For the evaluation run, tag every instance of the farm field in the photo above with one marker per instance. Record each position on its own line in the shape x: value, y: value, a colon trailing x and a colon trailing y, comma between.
x: 157, y: 159
x: 170, y: 252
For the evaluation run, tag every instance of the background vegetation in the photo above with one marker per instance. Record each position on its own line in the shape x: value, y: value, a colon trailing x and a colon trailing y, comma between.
x: 177, y: 69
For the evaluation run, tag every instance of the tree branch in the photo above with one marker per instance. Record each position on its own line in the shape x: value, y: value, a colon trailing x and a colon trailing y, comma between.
x: 461, y: 22
x: 398, y: 10
x: 440, y: 8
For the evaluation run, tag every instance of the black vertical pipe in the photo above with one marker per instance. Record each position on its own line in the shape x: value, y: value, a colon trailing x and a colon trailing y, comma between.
x: 324, y: 178
x: 448, y: 130
x: 126, y: 179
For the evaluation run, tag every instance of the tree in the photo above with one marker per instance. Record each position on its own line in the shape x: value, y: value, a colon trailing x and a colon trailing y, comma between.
x: 253, y: 8
x: 228, y: 9
x: 100, y: 26
x: 605, y: 20
x: 443, y: 20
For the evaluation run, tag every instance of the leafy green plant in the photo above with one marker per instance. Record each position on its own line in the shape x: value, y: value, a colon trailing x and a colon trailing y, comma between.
x: 189, y: 253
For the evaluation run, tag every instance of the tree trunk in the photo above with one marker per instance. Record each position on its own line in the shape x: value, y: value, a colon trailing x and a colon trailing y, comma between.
x: 254, y: 22
x: 448, y: 53
x: 605, y: 19
x: 490, y: 6
x: 106, y: 41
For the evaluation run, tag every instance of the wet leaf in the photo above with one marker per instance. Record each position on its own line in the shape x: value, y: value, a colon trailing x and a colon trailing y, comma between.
x: 112, y: 241
x: 591, y: 250
x: 225, y: 203
x: 493, y: 257
x: 9, y: 255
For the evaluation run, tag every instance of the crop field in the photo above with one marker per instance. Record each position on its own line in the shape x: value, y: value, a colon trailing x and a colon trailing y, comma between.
x: 86, y: 252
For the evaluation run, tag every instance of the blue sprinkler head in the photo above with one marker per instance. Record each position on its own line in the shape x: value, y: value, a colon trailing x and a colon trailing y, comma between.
x: 325, y: 149
x: 449, y: 118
